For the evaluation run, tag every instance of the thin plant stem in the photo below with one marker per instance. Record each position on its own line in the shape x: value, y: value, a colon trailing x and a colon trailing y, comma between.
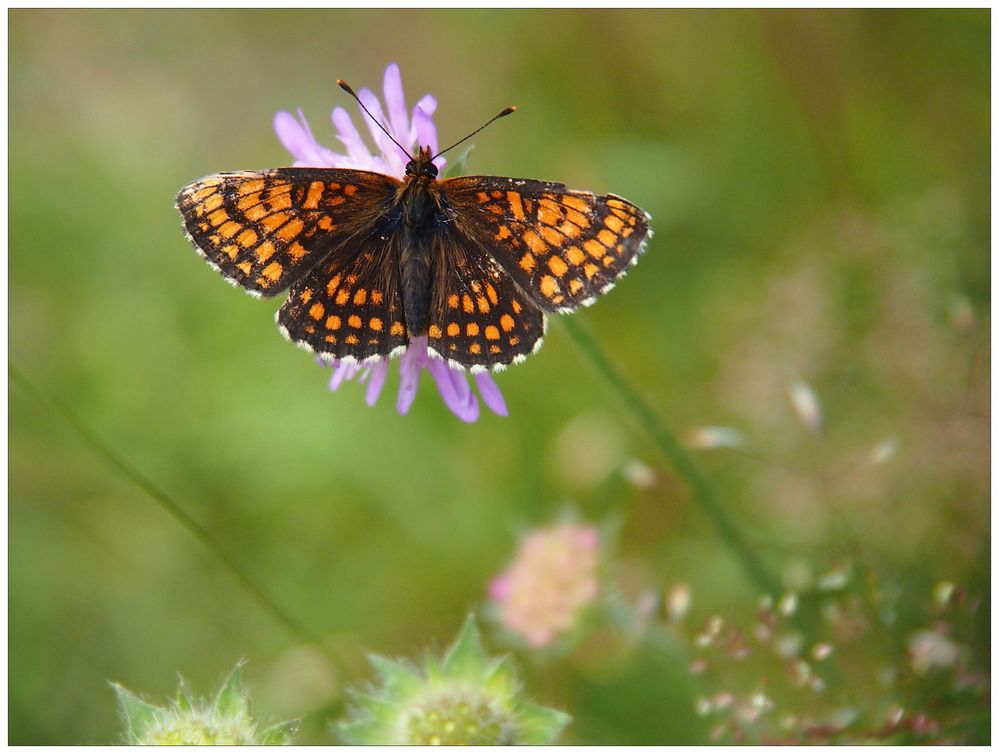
x: 701, y: 490
x: 175, y: 511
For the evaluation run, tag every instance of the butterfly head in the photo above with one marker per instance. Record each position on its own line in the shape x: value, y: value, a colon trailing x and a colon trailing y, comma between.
x: 422, y: 165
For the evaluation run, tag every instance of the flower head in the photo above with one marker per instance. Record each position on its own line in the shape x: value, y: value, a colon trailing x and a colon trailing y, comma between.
x: 411, y: 129
x: 467, y: 698
x: 186, y: 721
x: 552, y: 579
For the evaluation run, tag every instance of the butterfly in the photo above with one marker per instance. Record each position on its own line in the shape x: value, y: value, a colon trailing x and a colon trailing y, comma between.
x: 473, y: 263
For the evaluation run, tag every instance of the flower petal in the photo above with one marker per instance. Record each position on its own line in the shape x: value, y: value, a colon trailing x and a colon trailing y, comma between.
x: 342, y: 371
x: 379, y: 371
x: 409, y: 374
x: 296, y: 137
x: 426, y: 133
x: 490, y: 393
x: 390, y: 152
x: 349, y: 136
x: 455, y: 391
x: 395, y: 103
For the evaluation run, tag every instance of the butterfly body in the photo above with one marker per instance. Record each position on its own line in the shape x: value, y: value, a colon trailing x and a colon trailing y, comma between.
x: 472, y: 263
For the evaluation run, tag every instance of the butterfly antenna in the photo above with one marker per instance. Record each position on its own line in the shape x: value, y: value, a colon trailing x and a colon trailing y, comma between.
x: 506, y: 112
x: 347, y: 88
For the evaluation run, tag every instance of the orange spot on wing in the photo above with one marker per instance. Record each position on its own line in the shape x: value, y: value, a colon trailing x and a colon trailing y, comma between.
x: 557, y: 265
x: 265, y: 251
x: 527, y: 262
x: 272, y: 271
x: 230, y: 229
x: 251, y: 187
x: 607, y: 238
x: 614, y: 223
x: 248, y: 201
x: 551, y: 235
x: 289, y: 232
x: 471, y: 329
x: 434, y: 331
x: 360, y: 296
x: 549, y: 286
x: 576, y: 202
x: 316, y: 311
x: 375, y: 324
x: 594, y: 248
x: 574, y: 255
x: 247, y: 238
x: 275, y: 221
x: 516, y: 206
x: 333, y: 322
x: 453, y: 329
x: 397, y: 328
x: 354, y: 321
x: 492, y: 332
x: 534, y: 242
x: 314, y: 195
x: 549, y: 212
x: 507, y: 322
x: 475, y: 348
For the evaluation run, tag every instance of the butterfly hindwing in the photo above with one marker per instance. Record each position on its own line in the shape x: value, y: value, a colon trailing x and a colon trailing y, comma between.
x: 349, y: 306
x: 562, y: 247
x: 479, y: 319
x: 264, y: 230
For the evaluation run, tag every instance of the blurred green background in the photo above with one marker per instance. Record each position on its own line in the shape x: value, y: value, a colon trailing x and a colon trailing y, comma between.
x: 819, y: 183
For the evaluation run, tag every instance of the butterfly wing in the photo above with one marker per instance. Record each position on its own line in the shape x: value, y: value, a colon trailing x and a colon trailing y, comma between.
x: 349, y: 306
x: 563, y: 248
x: 265, y: 230
x: 479, y: 318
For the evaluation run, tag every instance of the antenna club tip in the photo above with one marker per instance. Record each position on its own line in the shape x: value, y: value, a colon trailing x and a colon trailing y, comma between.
x: 511, y: 109
x: 345, y: 86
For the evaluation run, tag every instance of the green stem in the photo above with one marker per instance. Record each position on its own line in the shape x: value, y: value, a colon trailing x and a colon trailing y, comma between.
x: 298, y: 630
x: 702, y: 492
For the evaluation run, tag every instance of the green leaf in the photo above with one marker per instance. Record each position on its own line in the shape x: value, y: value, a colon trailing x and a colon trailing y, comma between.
x: 540, y: 726
x: 466, y: 658
x: 138, y: 715
x: 460, y: 164
x: 231, y: 700
x: 282, y: 734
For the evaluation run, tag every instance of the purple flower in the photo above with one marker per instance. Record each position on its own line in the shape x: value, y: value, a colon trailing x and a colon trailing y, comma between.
x: 410, y: 129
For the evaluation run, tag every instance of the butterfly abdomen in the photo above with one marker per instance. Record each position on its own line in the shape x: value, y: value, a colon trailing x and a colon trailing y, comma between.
x: 415, y: 274
x: 420, y: 204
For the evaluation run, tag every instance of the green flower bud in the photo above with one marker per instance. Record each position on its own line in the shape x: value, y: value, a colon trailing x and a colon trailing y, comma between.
x: 186, y: 721
x: 467, y: 698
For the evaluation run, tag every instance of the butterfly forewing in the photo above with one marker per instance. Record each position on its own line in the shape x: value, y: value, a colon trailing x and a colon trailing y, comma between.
x: 563, y: 248
x: 265, y: 230
x: 479, y: 318
x: 349, y: 306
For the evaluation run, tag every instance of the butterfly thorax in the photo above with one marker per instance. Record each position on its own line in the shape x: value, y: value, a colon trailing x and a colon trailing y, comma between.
x: 419, y: 201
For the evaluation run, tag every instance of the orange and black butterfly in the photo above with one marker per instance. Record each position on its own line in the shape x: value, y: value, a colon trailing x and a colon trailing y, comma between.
x: 473, y: 263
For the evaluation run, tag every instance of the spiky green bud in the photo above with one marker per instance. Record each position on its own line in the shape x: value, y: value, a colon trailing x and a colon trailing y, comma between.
x: 186, y: 721
x: 466, y: 698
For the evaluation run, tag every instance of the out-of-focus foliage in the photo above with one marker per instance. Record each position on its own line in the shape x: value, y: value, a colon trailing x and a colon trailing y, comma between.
x: 819, y: 183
